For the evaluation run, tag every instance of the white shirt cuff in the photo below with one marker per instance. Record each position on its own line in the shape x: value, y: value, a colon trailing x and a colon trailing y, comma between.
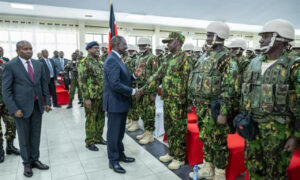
x: 134, y: 76
x: 133, y: 92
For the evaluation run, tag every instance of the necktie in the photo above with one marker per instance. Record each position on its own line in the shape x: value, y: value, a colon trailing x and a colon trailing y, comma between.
x: 30, y: 71
x: 50, y: 68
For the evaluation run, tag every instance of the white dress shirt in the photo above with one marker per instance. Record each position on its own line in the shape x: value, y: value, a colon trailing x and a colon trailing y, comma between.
x: 24, y: 62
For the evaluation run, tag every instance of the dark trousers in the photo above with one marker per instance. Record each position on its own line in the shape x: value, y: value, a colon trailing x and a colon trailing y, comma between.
x: 115, y: 134
x: 52, y: 90
x: 29, y: 132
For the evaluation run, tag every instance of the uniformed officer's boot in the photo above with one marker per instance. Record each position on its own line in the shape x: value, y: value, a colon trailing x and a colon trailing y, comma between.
x: 175, y: 164
x: 70, y: 105
x: 139, y: 137
x: 166, y: 158
x: 219, y: 174
x: 2, y: 154
x: 207, y: 171
x: 11, y: 149
x: 147, y: 138
x: 134, y: 126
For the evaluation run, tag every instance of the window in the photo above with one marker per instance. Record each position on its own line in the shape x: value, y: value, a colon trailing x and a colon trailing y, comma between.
x: 100, y: 38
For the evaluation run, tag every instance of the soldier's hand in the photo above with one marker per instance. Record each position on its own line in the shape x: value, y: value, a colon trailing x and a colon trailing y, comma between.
x: 18, y: 113
x: 291, y: 144
x: 222, y: 119
x: 47, y: 108
x: 88, y: 103
x: 139, y: 70
x: 190, y: 109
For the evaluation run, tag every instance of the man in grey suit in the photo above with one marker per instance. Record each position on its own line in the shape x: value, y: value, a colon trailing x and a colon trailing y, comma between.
x: 26, y: 96
x: 116, y: 101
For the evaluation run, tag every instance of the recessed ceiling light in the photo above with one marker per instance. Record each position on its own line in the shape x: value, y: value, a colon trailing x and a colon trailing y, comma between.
x: 88, y: 16
x: 22, y: 6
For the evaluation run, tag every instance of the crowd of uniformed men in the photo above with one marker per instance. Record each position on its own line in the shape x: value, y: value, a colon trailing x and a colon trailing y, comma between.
x: 233, y: 87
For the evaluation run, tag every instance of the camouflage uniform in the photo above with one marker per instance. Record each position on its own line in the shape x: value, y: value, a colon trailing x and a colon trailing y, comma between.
x: 74, y: 79
x: 134, y: 111
x: 215, y: 76
x: 103, y: 57
x: 146, y: 105
x: 173, y: 75
x: 10, y: 126
x: 273, y: 99
x: 92, y: 84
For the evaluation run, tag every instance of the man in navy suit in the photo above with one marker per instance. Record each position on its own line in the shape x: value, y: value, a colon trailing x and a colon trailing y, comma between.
x: 116, y: 101
x: 26, y: 96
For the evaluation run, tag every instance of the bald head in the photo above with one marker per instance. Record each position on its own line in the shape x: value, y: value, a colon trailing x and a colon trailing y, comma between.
x: 118, y: 43
x: 24, y: 49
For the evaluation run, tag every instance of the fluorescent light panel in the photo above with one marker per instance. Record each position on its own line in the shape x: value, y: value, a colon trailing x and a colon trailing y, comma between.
x: 22, y: 6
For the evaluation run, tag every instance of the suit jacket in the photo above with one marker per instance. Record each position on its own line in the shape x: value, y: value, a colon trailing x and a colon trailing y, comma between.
x: 47, y: 69
x: 117, y: 85
x: 59, y: 68
x: 18, y: 90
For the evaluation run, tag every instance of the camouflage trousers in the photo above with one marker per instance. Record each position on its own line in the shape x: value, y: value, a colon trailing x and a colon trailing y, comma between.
x: 135, y: 110
x: 175, y: 122
x: 148, y: 113
x: 74, y: 85
x: 95, y: 120
x: 10, y: 125
x: 214, y: 138
x: 265, y: 157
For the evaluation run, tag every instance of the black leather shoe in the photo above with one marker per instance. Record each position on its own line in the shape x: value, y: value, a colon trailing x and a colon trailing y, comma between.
x: 103, y: 142
x: 70, y: 105
x: 127, y: 159
x: 28, y: 170
x: 81, y: 105
x: 11, y: 149
x: 2, y: 156
x: 117, y: 168
x: 56, y: 106
x: 39, y: 165
x: 80, y: 102
x: 92, y: 147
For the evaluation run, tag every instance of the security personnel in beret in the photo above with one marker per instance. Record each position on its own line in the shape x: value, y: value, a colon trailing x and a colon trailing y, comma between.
x: 91, y: 78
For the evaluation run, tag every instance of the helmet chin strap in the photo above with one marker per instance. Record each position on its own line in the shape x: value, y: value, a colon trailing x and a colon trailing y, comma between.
x: 274, y: 38
x: 214, y: 42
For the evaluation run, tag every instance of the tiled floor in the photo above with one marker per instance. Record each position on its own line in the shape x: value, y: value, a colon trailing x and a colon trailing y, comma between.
x: 63, y: 148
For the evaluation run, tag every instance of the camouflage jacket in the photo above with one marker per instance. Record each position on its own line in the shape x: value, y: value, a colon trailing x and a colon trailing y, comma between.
x: 147, y: 58
x: 275, y: 95
x: 157, y: 62
x: 73, y: 68
x: 1, y: 69
x: 173, y: 75
x: 130, y: 62
x: 214, y: 76
x: 91, y: 78
x: 103, y: 57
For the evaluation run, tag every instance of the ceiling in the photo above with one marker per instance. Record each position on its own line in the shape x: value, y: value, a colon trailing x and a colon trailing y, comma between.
x: 251, y: 12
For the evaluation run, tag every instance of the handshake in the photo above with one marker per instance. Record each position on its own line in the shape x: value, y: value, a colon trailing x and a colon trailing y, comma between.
x: 139, y: 93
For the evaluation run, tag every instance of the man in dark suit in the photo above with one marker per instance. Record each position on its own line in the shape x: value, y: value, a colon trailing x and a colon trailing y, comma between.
x: 61, y: 63
x: 51, y: 73
x: 116, y: 101
x: 1, y: 55
x: 26, y: 96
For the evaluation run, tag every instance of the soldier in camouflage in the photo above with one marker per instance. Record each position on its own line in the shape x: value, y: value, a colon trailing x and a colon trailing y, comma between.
x: 79, y: 59
x: 146, y: 103
x: 188, y: 48
x: 10, y: 126
x: 104, y: 50
x: 72, y: 67
x: 130, y: 60
x: 250, y: 54
x: 197, y: 53
x: 271, y: 91
x: 213, y: 86
x: 160, y: 58
x: 92, y: 85
x: 173, y: 76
